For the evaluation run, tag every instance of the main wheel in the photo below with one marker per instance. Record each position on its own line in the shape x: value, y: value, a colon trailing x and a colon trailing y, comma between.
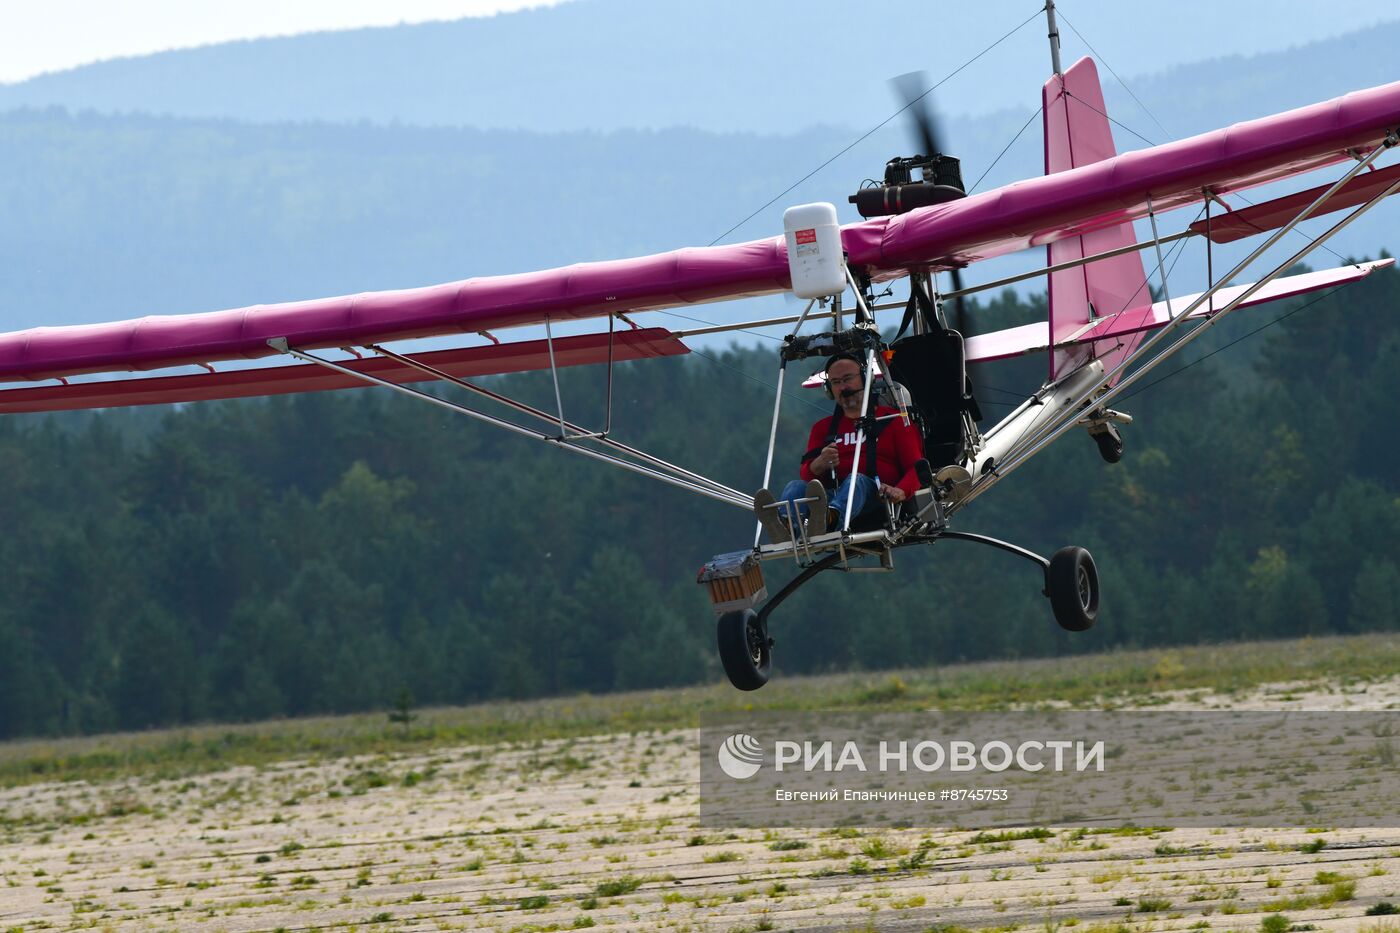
x: 745, y: 649
x: 1072, y: 583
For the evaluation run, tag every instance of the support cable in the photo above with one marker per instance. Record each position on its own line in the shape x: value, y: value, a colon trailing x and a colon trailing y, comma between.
x: 870, y: 132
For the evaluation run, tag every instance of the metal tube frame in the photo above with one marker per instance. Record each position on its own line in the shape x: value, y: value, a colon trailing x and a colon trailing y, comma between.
x: 772, y: 443
x: 773, y: 429
x: 840, y: 559
x: 1161, y: 265
x: 1043, y: 437
x: 1007, y: 546
x: 958, y: 293
x: 734, y: 499
x: 811, y: 571
x: 607, y: 416
x: 554, y: 372
x: 922, y: 280
x: 1069, y: 264
x: 1176, y: 320
x: 997, y: 283
x: 860, y: 439
x: 863, y: 313
x: 775, y: 321
x: 545, y: 416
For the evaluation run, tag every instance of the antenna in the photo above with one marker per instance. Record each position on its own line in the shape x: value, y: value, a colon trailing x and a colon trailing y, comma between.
x: 1054, y: 36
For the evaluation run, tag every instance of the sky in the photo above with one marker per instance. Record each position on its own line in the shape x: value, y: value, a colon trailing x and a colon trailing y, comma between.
x: 58, y: 34
x: 54, y: 35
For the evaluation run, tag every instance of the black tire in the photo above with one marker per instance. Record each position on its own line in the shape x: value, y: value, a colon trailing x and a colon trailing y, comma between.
x: 1110, y: 446
x: 745, y: 649
x: 1072, y: 583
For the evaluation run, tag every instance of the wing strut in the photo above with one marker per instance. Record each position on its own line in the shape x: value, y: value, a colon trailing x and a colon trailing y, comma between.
x: 1072, y: 411
x: 653, y: 467
x: 579, y: 433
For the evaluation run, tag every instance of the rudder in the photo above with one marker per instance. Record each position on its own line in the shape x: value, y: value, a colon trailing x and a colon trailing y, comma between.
x: 1077, y: 133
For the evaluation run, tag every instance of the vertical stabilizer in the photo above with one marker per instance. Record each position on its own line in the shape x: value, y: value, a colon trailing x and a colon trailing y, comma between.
x: 1077, y: 133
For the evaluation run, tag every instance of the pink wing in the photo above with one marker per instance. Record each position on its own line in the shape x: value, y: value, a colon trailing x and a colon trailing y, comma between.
x: 281, y: 380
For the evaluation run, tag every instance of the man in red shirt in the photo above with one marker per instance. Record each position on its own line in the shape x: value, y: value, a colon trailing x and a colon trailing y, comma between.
x: 827, y: 471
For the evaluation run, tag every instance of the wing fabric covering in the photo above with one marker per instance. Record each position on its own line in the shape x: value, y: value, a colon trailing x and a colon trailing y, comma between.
x: 280, y: 380
x: 1270, y: 215
x: 1099, y: 195
x: 1077, y: 134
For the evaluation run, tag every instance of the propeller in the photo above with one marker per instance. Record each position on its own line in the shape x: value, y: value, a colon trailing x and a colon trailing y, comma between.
x: 914, y: 91
x: 918, y: 107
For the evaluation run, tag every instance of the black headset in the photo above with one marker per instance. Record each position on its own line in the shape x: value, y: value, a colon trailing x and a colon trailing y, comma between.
x: 836, y: 358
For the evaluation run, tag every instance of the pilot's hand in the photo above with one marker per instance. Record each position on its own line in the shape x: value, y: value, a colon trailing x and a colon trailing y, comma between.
x: 826, y: 461
x: 892, y: 493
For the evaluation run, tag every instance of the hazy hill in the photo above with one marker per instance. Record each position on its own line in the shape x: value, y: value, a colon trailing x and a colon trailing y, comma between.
x: 116, y: 215
x: 725, y: 66
x: 123, y: 216
x: 119, y: 216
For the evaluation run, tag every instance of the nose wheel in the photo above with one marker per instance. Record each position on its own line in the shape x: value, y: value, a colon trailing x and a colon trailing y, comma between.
x: 1110, y: 442
x: 745, y: 649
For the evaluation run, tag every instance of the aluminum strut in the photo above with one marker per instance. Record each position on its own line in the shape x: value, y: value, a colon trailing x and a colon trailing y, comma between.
x: 772, y: 443
x: 1007, y: 546
x: 739, y: 501
x: 956, y: 293
x: 1035, y: 442
x: 860, y: 438
x: 546, y: 417
x: 1033, y: 446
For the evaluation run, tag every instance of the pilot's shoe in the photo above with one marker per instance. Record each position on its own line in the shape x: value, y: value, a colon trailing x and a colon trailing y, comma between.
x: 777, y: 531
x: 816, y: 522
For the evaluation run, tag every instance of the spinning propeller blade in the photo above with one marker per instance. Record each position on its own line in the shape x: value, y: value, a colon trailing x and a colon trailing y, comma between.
x: 913, y: 89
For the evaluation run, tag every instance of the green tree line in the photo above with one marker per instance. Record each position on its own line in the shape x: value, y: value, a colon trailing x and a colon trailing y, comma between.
x: 326, y: 552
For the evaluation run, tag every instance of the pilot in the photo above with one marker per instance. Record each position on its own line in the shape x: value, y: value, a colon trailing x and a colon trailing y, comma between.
x: 826, y: 468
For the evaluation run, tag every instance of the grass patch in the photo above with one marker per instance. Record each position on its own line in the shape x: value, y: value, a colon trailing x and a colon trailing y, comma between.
x: 1012, y: 835
x: 1085, y: 680
x: 787, y: 845
x: 617, y: 887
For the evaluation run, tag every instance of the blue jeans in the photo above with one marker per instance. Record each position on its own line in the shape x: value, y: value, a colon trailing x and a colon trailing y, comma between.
x: 866, y: 489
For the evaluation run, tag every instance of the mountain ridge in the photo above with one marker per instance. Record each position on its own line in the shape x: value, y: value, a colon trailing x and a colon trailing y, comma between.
x: 606, y: 64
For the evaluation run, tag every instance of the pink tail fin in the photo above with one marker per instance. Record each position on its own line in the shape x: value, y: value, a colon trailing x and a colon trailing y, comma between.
x: 1077, y: 133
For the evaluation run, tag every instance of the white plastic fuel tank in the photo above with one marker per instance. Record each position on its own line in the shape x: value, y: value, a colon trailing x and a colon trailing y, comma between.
x: 815, y: 259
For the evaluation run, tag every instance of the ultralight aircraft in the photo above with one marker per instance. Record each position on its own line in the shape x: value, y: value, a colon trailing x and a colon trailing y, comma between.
x: 1103, y: 334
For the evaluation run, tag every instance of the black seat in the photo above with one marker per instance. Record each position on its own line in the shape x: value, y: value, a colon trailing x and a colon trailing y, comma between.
x: 931, y: 366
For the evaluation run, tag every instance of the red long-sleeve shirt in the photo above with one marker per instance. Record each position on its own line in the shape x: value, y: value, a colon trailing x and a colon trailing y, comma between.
x: 896, y: 453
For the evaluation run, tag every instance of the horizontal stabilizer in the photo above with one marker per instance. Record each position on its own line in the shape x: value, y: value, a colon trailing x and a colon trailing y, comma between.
x: 1032, y: 338
x: 463, y: 362
x: 1270, y: 215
